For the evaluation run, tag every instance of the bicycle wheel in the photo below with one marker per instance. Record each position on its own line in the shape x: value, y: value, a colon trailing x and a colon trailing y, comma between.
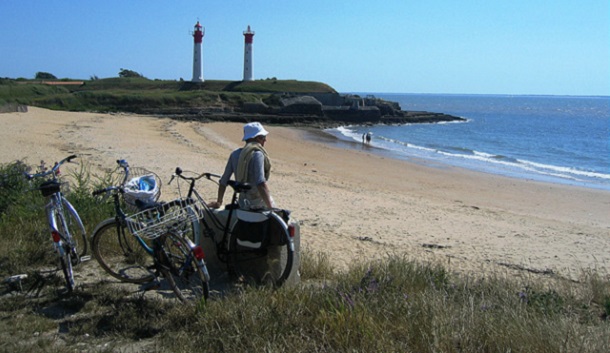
x: 176, y: 261
x: 121, y: 254
x: 65, y: 260
x: 271, y: 263
x: 75, y: 228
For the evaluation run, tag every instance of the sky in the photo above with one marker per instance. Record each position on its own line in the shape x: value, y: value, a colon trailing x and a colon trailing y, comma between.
x: 541, y: 47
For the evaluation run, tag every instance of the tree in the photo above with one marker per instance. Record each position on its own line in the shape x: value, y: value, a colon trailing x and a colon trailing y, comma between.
x: 129, y: 73
x: 45, y: 76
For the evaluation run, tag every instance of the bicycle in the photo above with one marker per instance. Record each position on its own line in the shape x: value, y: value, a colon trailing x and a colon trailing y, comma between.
x: 255, y: 245
x: 67, y: 230
x: 141, y: 247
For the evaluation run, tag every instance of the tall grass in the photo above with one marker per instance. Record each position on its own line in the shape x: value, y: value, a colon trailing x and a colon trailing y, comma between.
x: 391, y: 305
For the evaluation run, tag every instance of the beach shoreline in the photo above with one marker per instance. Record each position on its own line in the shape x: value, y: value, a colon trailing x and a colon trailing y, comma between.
x: 352, y: 204
x: 471, y: 160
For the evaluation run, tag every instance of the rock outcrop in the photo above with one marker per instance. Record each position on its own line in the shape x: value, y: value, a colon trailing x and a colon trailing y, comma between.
x: 319, y: 110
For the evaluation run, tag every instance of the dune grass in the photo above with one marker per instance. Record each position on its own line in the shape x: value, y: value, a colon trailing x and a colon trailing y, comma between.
x: 390, y: 305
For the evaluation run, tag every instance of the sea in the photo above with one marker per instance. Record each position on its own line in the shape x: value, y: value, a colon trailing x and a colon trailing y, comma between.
x: 555, y: 139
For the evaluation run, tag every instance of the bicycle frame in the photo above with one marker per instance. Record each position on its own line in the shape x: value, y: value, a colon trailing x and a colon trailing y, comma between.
x: 120, y: 215
x: 206, y: 210
x: 54, y: 213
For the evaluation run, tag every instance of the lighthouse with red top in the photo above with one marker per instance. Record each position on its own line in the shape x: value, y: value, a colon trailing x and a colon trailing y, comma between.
x: 197, y: 64
x: 248, y: 36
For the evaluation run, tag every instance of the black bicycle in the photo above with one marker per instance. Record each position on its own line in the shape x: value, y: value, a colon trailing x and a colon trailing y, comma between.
x: 253, y: 244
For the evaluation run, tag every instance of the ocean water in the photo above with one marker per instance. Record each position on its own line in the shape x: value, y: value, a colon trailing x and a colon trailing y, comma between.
x: 557, y: 139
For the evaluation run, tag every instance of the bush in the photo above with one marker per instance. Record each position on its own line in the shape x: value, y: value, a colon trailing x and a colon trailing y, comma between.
x: 129, y: 73
x: 45, y: 76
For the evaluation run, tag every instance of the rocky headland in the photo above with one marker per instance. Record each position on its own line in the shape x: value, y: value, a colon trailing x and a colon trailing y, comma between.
x: 313, y: 109
x: 272, y: 101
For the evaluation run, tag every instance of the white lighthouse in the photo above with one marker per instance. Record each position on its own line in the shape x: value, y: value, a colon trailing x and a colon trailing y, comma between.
x: 197, y: 64
x: 248, y: 36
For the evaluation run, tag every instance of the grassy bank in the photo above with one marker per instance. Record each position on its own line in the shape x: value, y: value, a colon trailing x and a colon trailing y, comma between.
x: 394, y: 305
x: 141, y: 95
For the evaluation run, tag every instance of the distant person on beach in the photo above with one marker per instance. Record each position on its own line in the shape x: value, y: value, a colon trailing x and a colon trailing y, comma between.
x: 368, y: 137
x: 363, y: 137
x: 250, y: 164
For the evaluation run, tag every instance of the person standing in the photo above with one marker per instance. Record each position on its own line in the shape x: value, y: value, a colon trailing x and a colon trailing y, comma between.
x: 250, y: 164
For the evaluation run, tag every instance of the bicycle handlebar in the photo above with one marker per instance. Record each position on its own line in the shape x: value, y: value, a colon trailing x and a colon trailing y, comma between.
x: 105, y: 190
x: 123, y: 164
x: 53, y: 170
x: 178, y: 173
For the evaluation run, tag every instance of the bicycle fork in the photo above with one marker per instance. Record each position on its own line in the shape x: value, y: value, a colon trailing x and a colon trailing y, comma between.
x: 61, y: 244
x: 163, y: 258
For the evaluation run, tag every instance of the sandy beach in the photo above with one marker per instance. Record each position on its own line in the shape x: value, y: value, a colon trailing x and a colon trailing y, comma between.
x: 352, y: 204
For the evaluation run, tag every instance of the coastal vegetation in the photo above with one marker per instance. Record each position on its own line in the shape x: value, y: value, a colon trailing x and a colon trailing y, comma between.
x: 268, y: 100
x: 132, y: 93
x: 392, y: 305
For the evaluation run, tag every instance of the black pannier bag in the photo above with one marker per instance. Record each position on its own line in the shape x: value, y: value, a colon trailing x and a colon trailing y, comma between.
x: 258, y: 230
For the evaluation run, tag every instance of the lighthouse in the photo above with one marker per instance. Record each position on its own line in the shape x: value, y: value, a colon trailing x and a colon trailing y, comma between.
x: 248, y: 36
x: 197, y: 64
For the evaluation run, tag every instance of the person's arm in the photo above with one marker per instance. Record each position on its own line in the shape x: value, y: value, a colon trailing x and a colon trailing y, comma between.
x: 224, y: 179
x: 263, y: 190
x: 221, y: 195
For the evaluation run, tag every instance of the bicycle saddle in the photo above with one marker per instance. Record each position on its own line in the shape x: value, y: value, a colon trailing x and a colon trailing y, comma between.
x: 239, y: 187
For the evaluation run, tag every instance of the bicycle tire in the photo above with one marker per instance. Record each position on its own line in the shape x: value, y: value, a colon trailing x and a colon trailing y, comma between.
x: 177, y: 263
x: 118, y: 252
x: 65, y: 260
x: 75, y: 228
x: 270, y: 264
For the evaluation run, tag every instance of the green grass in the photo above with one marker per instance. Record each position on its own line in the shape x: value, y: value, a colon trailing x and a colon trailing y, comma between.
x: 141, y: 95
x: 390, y: 305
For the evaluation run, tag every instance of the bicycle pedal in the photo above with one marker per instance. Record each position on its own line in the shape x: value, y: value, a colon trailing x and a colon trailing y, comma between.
x: 85, y: 258
x: 15, y: 279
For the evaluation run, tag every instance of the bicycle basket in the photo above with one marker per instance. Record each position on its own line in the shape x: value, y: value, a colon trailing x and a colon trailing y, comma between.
x: 49, y: 188
x: 154, y: 222
x: 144, y: 185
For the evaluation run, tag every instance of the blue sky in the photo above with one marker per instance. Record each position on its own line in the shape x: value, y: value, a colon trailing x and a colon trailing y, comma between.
x: 395, y: 46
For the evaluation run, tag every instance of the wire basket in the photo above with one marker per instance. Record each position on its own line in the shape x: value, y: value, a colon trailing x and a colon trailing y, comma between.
x: 133, y: 192
x: 153, y: 223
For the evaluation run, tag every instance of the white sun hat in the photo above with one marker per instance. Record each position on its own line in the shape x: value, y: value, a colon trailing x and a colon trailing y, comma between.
x: 251, y: 130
